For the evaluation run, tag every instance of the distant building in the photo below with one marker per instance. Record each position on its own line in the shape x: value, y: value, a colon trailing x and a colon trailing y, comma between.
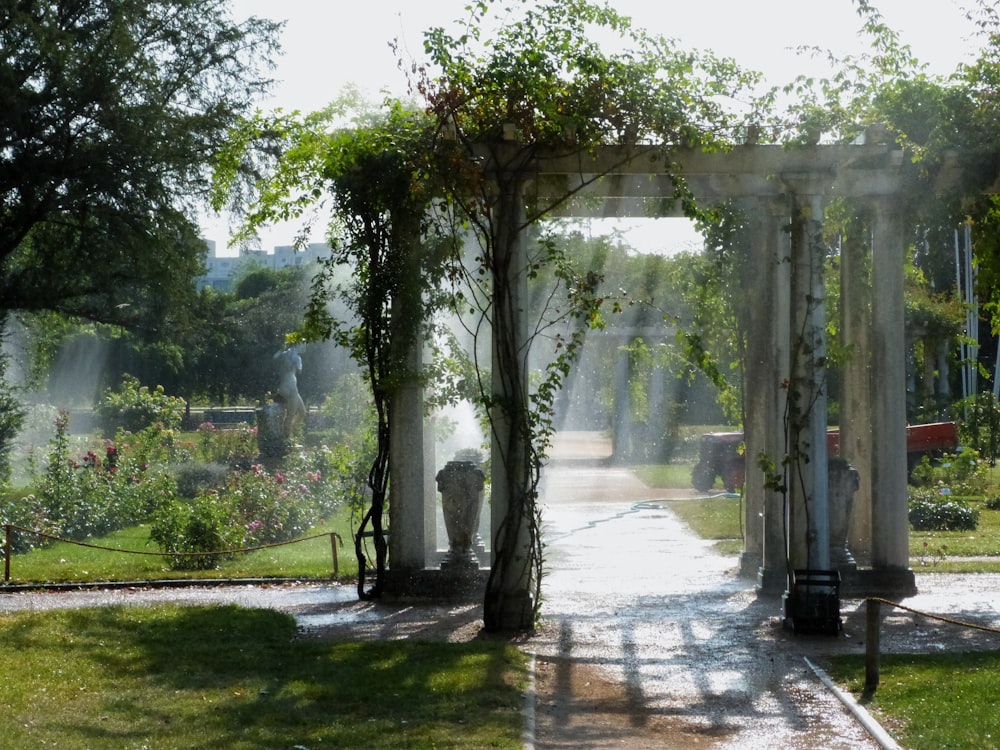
x: 222, y: 270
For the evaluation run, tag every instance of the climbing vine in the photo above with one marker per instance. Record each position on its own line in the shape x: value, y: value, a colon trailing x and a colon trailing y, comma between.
x: 542, y: 86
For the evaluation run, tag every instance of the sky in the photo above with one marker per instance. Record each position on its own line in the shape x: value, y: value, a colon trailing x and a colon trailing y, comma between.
x: 332, y: 44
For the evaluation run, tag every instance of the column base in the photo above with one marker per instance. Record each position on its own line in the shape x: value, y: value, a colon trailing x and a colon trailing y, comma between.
x: 812, y: 602
x: 433, y: 583
x: 771, y: 580
x: 512, y: 612
x: 750, y: 564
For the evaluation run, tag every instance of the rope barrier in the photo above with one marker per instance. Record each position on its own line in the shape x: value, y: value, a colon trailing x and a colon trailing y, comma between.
x: 873, y: 605
x: 8, y: 528
x: 929, y: 615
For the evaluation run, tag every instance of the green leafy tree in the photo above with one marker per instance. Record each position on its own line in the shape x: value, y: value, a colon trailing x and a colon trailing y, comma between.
x: 113, y: 112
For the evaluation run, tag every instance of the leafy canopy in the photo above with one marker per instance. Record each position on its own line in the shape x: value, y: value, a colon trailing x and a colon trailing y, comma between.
x: 577, y: 73
x: 112, y: 113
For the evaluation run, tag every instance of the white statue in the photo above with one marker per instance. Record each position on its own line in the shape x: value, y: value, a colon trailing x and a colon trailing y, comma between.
x: 288, y: 389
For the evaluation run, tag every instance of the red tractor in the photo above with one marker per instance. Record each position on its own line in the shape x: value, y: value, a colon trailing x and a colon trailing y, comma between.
x: 721, y: 453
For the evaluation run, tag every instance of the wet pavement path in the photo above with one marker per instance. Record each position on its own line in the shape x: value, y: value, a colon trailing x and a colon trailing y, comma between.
x: 702, y: 660
x: 632, y: 595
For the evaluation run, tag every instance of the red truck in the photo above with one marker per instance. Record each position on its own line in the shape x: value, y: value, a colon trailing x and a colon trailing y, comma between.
x: 721, y: 453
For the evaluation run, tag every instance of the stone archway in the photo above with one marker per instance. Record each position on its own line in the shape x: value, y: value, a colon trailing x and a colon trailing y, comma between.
x: 788, y: 188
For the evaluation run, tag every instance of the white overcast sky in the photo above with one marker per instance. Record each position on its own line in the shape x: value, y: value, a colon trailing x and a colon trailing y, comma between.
x: 329, y: 44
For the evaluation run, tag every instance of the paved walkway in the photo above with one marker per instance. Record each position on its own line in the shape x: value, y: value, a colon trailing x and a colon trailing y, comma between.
x: 703, y: 661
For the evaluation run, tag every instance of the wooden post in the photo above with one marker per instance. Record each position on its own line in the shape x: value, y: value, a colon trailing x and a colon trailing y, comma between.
x: 334, y: 538
x: 8, y: 531
x: 873, y: 607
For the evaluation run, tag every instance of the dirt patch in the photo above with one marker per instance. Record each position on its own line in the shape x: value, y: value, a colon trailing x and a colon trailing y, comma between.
x: 577, y: 707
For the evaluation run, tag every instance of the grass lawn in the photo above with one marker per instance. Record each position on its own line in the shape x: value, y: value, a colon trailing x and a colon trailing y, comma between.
x: 230, y: 677
x: 718, y: 517
x: 932, y: 701
x: 72, y: 563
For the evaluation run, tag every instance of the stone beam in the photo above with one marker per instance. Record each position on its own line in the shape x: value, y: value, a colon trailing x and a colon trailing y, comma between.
x: 633, y: 181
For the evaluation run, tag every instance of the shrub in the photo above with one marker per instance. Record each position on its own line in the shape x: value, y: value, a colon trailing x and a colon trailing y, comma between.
x: 963, y: 472
x: 236, y: 447
x: 29, y: 512
x: 206, y: 524
x: 934, y: 512
x: 251, y: 508
x: 12, y: 415
x: 194, y: 479
x: 134, y: 407
x: 138, y: 477
x: 97, y: 492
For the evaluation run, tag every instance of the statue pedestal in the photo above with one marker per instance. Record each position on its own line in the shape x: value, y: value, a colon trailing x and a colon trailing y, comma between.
x: 271, y: 440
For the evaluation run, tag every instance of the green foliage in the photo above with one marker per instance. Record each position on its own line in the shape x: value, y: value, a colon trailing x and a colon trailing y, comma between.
x: 12, y: 415
x: 234, y: 447
x: 347, y: 412
x: 251, y: 508
x: 135, y: 407
x: 92, y: 494
x: 980, y: 429
x: 546, y: 76
x: 197, y: 506
x: 208, y: 527
x: 963, y: 473
x: 194, y: 479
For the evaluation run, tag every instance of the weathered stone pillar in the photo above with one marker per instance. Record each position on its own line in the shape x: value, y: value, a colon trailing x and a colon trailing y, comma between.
x: 890, y: 524
x: 855, y: 391
x: 509, y: 600
x: 766, y: 310
x: 808, y: 510
x: 408, y: 503
x: 622, y: 427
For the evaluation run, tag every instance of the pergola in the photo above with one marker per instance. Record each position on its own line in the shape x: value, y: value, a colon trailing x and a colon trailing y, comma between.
x: 784, y: 191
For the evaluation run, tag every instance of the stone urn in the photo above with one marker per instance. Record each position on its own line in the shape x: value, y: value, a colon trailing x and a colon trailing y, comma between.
x: 844, y: 482
x: 461, y: 485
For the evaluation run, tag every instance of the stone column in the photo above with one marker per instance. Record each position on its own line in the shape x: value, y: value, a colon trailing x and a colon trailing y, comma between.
x: 621, y: 406
x: 408, y: 506
x: 764, y: 553
x: 855, y: 395
x: 890, y: 525
x: 808, y: 511
x: 509, y: 600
